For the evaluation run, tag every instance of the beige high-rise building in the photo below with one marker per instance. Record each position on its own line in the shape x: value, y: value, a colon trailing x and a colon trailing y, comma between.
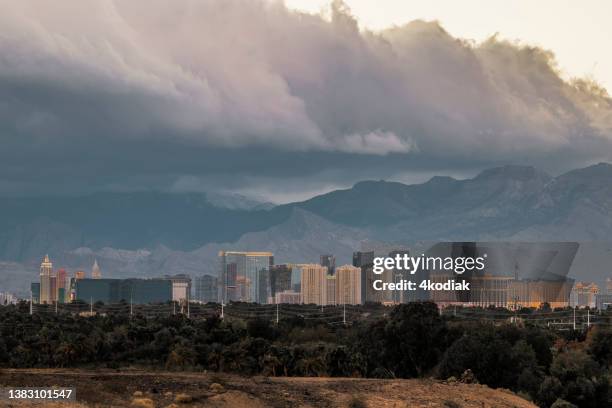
x: 48, y: 286
x: 330, y: 289
x: 314, y: 283
x: 348, y: 285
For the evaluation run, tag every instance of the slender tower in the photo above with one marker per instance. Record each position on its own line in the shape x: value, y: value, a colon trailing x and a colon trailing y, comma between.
x: 46, y: 272
x: 95, y: 270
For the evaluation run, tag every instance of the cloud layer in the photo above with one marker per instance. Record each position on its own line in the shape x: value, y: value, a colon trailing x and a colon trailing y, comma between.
x: 102, y: 92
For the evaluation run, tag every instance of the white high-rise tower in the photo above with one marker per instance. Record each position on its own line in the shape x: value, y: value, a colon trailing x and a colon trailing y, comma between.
x: 46, y: 284
x: 95, y: 270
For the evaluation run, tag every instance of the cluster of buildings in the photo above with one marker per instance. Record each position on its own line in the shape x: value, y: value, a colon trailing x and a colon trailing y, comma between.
x: 588, y: 294
x: 58, y: 287
x: 541, y: 279
x: 254, y: 277
x: 7, y: 298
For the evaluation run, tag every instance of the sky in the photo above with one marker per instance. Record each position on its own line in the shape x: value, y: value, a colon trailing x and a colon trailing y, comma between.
x: 254, y: 97
x: 562, y: 26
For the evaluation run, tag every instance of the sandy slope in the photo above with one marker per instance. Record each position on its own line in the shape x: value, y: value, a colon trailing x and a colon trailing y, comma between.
x: 152, y: 389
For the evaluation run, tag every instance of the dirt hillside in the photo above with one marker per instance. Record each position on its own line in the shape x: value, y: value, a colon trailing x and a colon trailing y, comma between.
x: 176, y: 390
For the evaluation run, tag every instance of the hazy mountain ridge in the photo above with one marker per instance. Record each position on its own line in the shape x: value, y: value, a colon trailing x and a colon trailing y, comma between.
x: 499, y: 203
x: 151, y: 234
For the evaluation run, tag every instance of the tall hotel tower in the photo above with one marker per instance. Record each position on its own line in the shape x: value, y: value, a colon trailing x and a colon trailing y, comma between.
x: 47, y: 281
x: 314, y: 284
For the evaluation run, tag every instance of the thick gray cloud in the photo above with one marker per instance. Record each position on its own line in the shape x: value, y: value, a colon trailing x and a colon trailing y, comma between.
x: 157, y: 94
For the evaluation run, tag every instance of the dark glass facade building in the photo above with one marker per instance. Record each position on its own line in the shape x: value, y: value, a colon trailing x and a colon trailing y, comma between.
x: 139, y: 291
x: 365, y: 261
x: 206, y: 288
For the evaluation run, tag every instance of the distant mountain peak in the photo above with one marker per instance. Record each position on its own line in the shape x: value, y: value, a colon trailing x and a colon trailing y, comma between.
x: 235, y: 201
x: 601, y: 169
x: 516, y: 172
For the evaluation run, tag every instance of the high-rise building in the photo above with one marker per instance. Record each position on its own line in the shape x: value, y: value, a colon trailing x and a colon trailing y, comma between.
x: 244, y: 276
x: 47, y: 281
x: 348, y: 285
x: 280, y: 278
x: 396, y: 276
x: 330, y: 262
x: 181, y: 287
x: 95, y: 270
x: 63, y: 285
x: 35, y: 291
x: 330, y: 288
x: 79, y: 275
x: 609, y: 286
x: 54, y: 292
x: 313, y: 283
x: 206, y: 289
x: 365, y: 261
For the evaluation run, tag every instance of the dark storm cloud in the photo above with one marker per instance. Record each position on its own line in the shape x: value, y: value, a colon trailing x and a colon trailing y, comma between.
x: 191, y: 94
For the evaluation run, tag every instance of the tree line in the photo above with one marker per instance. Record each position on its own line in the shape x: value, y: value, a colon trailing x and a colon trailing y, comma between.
x: 558, y: 369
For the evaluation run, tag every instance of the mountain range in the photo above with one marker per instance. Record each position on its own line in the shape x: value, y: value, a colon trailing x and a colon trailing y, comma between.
x: 153, y: 233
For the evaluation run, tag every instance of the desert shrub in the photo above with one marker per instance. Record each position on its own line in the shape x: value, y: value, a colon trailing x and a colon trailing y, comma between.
x: 600, y: 346
x: 561, y: 403
x: 357, y: 402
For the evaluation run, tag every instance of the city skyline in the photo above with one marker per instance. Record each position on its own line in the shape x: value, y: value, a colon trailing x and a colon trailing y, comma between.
x: 253, y: 277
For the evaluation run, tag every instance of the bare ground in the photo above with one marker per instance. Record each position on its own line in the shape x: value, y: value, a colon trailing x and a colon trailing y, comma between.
x: 146, y: 389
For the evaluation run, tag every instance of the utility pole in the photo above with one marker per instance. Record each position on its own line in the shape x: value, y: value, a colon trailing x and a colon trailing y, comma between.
x: 56, y: 307
x: 131, y: 302
x: 277, y: 313
x: 588, y: 318
x: 173, y: 307
x: 574, y: 317
x: 188, y: 309
x: 344, y: 313
x: 91, y: 306
x: 222, y: 310
x: 31, y: 303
